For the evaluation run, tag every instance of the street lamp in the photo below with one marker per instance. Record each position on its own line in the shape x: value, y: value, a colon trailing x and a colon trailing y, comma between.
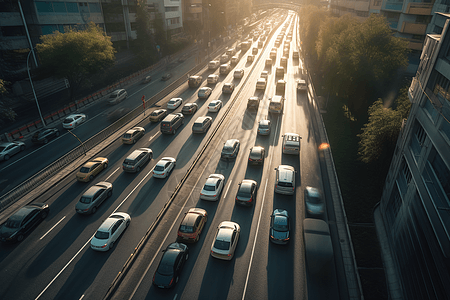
x: 32, y: 86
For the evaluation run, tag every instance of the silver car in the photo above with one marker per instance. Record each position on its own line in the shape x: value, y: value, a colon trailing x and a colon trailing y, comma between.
x: 225, y: 241
x: 117, y: 96
x: 9, y: 149
x: 93, y: 197
x: 315, y: 206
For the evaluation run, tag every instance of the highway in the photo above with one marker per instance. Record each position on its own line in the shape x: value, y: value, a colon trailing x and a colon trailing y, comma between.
x: 56, y: 262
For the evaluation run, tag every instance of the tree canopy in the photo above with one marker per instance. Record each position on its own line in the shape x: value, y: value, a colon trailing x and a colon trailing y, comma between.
x: 379, y: 135
x: 76, y: 54
x: 6, y: 112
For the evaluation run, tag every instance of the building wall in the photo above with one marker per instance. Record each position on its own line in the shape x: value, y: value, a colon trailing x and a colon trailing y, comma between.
x: 415, y: 204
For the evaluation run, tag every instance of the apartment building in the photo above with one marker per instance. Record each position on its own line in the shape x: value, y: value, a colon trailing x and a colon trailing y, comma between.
x: 407, y: 19
x: 415, y: 204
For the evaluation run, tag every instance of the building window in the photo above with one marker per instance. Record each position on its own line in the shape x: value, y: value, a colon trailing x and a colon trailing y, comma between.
x: 393, y: 205
x: 436, y: 177
x: 13, y: 30
x: 430, y: 109
x: 423, y: 19
x: 376, y: 2
x: 417, y: 140
x: 59, y: 7
x: 171, y: 8
x: 441, y: 88
x: 173, y: 21
x: 44, y: 7
x: 72, y: 7
x: 404, y: 178
x: 94, y: 8
x: 445, y: 126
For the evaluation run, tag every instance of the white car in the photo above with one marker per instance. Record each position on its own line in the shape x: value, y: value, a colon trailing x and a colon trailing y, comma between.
x: 214, y: 106
x: 225, y: 241
x: 110, y: 230
x: 73, y: 120
x: 117, y: 96
x: 174, y: 103
x: 204, y: 92
x: 212, y: 78
x: 163, y: 168
x: 238, y: 73
x: 213, y: 187
x: 265, y: 74
x: 9, y: 149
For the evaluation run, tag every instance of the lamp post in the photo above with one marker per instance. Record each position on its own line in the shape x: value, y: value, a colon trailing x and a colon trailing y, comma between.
x: 32, y: 87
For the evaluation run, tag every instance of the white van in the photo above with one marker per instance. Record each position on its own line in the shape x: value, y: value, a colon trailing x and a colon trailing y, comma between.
x: 224, y: 69
x: 276, y: 104
x: 214, y: 64
x: 291, y: 143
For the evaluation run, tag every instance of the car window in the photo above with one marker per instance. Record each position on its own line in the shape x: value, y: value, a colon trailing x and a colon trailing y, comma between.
x: 99, y: 192
x: 186, y: 229
x: 221, y: 245
x: 197, y: 222
x: 233, y: 236
x: 85, y: 200
x: 218, y: 183
x: 95, y: 166
x: 102, y: 235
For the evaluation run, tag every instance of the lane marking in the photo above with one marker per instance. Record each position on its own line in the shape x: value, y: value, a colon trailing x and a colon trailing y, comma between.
x: 52, y: 228
x: 118, y: 168
x: 82, y: 296
x: 81, y: 249
x: 153, y: 136
x: 226, y: 192
x: 254, y: 242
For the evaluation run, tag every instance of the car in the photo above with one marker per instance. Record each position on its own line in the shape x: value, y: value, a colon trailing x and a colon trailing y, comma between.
x: 318, y: 247
x: 172, y: 262
x: 202, y: 124
x: 171, y: 123
x: 238, y: 73
x: 189, y: 108
x: 214, y: 106
x: 163, y: 168
x: 93, y: 197
x: 174, y: 103
x: 213, y: 187
x: 132, y: 135
x: 44, y: 135
x: 9, y: 149
x: 285, y: 180
x: 117, y: 113
x: 117, y: 96
x: 264, y: 127
x: 253, y: 103
x: 90, y: 169
x: 260, y: 44
x: 224, y: 58
x: 192, y: 225
x: 225, y: 240
x: 110, y: 231
x: 212, y: 78
x: 22, y: 221
x: 157, y: 115
x: 301, y: 85
x: 268, y: 62
x: 257, y: 154
x: 250, y: 58
x: 261, y: 84
x: 246, y: 194
x: 295, y: 55
x: 265, y: 74
x: 204, y: 92
x: 213, y: 64
x: 234, y: 60
x: 195, y: 81
x: 166, y: 77
x: 228, y: 88
x: 137, y: 159
x: 147, y: 79
x: 230, y: 149
x: 315, y: 206
x: 73, y: 120
x: 279, y: 232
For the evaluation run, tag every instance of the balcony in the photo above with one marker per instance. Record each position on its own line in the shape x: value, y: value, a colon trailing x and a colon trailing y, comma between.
x: 419, y: 9
x: 415, y: 45
x: 397, y: 6
x: 413, y: 28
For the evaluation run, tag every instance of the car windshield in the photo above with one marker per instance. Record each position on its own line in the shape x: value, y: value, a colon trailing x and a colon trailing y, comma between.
x: 208, y: 187
x: 221, y: 245
x: 314, y: 198
x: 227, y: 150
x: 198, y: 125
x: 186, y: 229
x: 280, y: 224
x: 84, y: 170
x: 126, y: 136
x: 165, y: 269
x: 263, y: 126
x: 85, y: 200
x: 12, y: 223
x: 102, y: 235
x: 285, y: 184
x: 172, y: 101
x: 154, y: 113
x: 113, y: 96
x: 159, y: 168
x: 129, y: 162
x: 244, y: 191
x: 68, y: 120
x: 255, y: 154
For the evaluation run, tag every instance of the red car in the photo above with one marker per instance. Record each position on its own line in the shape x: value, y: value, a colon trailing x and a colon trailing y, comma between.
x: 192, y: 225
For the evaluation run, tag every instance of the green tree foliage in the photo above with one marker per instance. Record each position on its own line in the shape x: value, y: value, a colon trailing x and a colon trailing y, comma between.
x: 379, y: 135
x: 76, y: 54
x: 310, y: 23
x: 6, y: 112
x: 144, y: 46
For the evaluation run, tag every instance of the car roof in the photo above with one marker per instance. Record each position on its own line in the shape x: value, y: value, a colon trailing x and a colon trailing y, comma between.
x: 264, y: 122
x: 202, y: 119
x: 231, y: 142
x: 22, y: 213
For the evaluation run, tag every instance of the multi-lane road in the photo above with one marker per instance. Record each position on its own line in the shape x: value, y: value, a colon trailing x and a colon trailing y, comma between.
x: 56, y: 262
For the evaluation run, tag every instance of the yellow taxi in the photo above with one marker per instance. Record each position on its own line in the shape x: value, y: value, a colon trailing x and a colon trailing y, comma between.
x: 90, y: 169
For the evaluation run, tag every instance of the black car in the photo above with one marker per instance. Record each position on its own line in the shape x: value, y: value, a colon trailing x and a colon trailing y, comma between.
x: 44, y: 135
x: 246, y: 194
x: 170, y: 266
x: 23, y: 221
x: 166, y: 77
x: 279, y: 227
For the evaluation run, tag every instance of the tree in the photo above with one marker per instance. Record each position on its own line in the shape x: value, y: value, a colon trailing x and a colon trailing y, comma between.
x: 144, y: 45
x: 379, y: 135
x: 6, y: 112
x: 76, y: 54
